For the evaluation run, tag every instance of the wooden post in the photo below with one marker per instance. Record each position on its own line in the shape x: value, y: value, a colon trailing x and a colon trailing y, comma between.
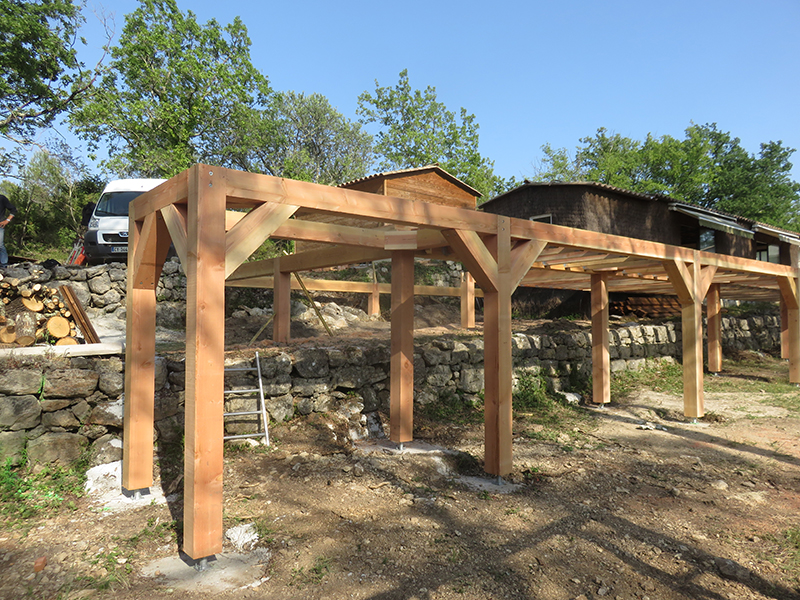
x: 281, y: 304
x: 205, y: 346
x: 686, y: 281
x: 601, y: 365
x: 467, y: 300
x: 402, y: 348
x: 789, y: 295
x: 374, y: 300
x: 714, y: 328
x: 140, y: 349
x: 784, y: 329
x: 497, y: 359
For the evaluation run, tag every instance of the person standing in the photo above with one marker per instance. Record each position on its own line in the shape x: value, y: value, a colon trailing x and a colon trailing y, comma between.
x: 7, y: 211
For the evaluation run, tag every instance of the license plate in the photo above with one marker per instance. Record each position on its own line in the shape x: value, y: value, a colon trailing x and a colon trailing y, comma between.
x: 119, y: 248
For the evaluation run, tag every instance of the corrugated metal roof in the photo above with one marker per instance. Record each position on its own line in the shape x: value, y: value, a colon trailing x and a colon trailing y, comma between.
x: 412, y: 170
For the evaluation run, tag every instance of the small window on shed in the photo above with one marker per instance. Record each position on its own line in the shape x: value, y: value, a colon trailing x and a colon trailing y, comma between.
x: 548, y: 218
x: 768, y: 253
x: 707, y: 243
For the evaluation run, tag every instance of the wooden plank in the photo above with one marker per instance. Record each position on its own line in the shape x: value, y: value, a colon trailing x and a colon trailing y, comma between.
x: 471, y: 250
x: 789, y: 296
x: 601, y: 364
x: 402, y: 348
x: 172, y: 191
x: 282, y: 303
x: 249, y: 233
x: 400, y: 240
x: 467, y: 300
x: 692, y: 332
x: 175, y: 219
x: 497, y: 360
x: 81, y: 318
x: 151, y: 252
x: 205, y: 345
x: 714, y: 327
x: 522, y: 257
x: 784, y: 329
x: 140, y: 345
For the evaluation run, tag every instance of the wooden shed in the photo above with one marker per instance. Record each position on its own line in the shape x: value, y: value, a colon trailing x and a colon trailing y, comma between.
x: 430, y: 184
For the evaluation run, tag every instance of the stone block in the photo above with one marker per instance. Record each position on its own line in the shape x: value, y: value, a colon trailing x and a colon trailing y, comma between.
x: 20, y: 381
x: 70, y: 383
x: 311, y: 363
x: 19, y: 412
x: 60, y: 449
x: 280, y: 408
x: 12, y: 445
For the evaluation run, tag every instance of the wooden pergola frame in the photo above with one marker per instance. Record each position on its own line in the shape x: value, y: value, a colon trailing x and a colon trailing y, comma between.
x: 216, y: 218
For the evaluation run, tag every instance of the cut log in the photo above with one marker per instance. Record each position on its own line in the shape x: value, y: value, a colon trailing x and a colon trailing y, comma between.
x: 2, y: 314
x: 67, y: 341
x: 26, y: 329
x: 33, y: 304
x: 58, y: 327
x: 8, y: 334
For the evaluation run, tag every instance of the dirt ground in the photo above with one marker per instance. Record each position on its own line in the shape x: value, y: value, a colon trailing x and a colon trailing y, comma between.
x: 623, y: 502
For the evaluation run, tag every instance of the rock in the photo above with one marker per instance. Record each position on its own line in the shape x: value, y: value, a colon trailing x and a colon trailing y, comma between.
x: 311, y: 363
x: 732, y: 570
x: 280, y: 408
x: 108, y: 413
x: 720, y: 485
x: 70, y: 383
x: 106, y: 449
x: 60, y: 449
x: 19, y: 412
x: 471, y: 380
x: 21, y: 381
x: 12, y: 444
x: 375, y: 425
x: 64, y: 419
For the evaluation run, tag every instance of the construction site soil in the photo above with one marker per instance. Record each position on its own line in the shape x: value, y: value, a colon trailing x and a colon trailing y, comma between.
x: 630, y: 501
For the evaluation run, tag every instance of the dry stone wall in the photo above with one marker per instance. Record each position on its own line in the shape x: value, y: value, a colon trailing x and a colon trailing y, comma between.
x: 51, y: 411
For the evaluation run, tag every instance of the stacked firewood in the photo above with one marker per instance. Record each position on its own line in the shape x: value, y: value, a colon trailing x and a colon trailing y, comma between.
x: 32, y: 313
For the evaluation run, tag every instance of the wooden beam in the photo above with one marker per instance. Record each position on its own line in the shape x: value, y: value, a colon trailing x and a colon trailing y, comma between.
x: 601, y: 364
x: 172, y: 191
x: 523, y: 256
x: 497, y: 359
x: 471, y: 250
x: 175, y: 218
x: 140, y: 344
x: 784, y: 329
x: 467, y: 300
x: 281, y: 303
x: 205, y: 345
x: 714, y: 328
x: 402, y: 347
x: 249, y: 233
x: 790, y: 297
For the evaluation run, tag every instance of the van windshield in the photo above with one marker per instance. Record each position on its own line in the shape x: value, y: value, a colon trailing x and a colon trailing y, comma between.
x: 115, y: 204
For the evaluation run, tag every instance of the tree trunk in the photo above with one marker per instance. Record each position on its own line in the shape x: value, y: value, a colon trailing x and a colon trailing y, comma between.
x: 26, y: 328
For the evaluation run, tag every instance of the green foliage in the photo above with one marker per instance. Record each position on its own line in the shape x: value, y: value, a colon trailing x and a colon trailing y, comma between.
x: 172, y: 86
x: 708, y: 167
x: 452, y: 408
x: 42, y: 76
x: 301, y: 137
x: 658, y: 376
x: 53, y: 189
x: 25, y: 495
x: 417, y: 130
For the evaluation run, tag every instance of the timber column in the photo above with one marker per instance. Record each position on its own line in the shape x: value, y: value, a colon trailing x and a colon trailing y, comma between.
x: 401, y: 428
x: 205, y: 348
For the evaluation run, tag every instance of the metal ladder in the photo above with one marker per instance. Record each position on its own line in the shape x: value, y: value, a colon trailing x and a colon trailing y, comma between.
x: 262, y: 409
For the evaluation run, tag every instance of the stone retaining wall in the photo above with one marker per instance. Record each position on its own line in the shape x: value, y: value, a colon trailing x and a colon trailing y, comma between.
x: 52, y: 410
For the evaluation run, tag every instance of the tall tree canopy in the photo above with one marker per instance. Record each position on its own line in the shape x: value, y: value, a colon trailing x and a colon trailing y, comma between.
x: 299, y: 136
x: 417, y: 130
x: 42, y: 75
x: 708, y: 167
x: 172, y: 87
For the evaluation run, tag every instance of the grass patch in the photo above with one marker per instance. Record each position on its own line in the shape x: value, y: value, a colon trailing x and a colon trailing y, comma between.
x: 453, y: 408
x: 545, y: 415
x: 659, y: 377
x: 25, y: 495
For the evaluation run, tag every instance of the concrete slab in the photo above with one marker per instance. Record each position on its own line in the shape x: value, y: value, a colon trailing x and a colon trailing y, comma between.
x: 223, y: 572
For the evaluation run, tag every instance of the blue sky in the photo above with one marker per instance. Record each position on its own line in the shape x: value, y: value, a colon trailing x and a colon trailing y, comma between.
x: 536, y: 72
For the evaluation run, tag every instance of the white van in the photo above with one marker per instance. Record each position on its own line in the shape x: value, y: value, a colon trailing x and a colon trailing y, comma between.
x: 107, y: 236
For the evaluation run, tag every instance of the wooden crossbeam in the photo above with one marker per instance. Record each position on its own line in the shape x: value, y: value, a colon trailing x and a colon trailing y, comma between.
x: 174, y: 216
x: 246, y: 236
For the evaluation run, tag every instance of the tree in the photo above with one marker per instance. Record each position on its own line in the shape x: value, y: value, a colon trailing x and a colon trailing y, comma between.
x: 172, y: 88
x: 418, y: 130
x: 301, y: 137
x: 708, y: 167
